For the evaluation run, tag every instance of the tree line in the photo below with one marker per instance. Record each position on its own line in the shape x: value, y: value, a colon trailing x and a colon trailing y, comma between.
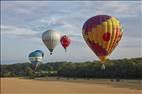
x: 122, y: 68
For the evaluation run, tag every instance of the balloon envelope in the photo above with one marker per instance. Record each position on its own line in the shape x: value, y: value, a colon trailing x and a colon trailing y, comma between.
x: 102, y: 34
x: 65, y: 41
x: 35, y: 59
x: 40, y: 51
x: 51, y: 38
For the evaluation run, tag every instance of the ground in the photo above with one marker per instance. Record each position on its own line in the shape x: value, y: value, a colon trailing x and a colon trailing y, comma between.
x: 69, y: 86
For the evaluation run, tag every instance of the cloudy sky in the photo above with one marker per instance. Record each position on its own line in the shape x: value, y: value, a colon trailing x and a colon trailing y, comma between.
x: 23, y: 22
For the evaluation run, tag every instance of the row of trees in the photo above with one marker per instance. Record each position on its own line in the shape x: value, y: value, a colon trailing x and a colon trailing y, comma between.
x: 125, y: 68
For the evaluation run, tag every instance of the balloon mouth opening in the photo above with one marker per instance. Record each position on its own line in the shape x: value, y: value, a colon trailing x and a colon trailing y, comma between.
x: 34, y: 67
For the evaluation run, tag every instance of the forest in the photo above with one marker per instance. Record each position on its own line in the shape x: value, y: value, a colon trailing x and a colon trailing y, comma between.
x: 121, y: 68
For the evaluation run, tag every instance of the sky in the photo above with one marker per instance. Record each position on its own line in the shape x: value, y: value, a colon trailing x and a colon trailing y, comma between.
x: 23, y: 22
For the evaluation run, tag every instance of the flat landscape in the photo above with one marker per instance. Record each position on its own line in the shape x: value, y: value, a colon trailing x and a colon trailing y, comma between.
x: 69, y: 86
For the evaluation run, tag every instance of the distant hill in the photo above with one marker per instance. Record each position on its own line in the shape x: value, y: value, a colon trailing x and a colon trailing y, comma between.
x: 121, y: 68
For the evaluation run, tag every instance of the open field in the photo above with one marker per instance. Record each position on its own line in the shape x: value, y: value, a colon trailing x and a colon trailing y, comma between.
x: 70, y: 86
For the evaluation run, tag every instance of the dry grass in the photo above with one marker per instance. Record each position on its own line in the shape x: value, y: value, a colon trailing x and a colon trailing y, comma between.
x: 61, y: 86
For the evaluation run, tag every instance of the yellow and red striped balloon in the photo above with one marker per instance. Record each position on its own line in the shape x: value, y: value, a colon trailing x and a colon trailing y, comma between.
x: 102, y: 34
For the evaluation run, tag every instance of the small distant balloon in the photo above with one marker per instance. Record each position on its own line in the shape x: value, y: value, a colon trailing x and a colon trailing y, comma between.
x: 35, y: 58
x: 102, y: 33
x: 65, y: 41
x: 51, y: 38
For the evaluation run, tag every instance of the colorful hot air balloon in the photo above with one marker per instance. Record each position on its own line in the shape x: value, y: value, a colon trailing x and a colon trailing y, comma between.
x: 65, y: 41
x: 35, y: 59
x: 50, y: 39
x: 102, y: 34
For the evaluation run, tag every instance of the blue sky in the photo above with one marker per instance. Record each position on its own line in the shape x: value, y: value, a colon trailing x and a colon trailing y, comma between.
x: 23, y: 22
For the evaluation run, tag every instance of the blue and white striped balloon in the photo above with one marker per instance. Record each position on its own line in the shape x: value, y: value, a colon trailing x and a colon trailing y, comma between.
x: 35, y: 58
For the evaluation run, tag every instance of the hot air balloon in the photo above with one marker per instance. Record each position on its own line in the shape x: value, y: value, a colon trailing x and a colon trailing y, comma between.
x: 102, y: 33
x: 35, y: 59
x: 50, y: 39
x: 65, y: 41
x: 40, y: 51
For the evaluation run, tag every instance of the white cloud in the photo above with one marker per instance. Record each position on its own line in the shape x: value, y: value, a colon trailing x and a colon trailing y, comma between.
x: 52, y: 20
x: 19, y: 8
x: 56, y: 22
x: 16, y: 32
x: 119, y: 8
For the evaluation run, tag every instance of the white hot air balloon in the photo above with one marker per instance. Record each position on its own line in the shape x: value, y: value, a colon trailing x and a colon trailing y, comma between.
x: 51, y: 38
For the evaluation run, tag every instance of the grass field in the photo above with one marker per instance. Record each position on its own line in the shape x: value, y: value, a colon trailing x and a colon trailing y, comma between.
x: 69, y: 86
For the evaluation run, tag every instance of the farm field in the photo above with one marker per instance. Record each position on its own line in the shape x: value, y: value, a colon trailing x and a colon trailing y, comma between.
x: 69, y: 86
